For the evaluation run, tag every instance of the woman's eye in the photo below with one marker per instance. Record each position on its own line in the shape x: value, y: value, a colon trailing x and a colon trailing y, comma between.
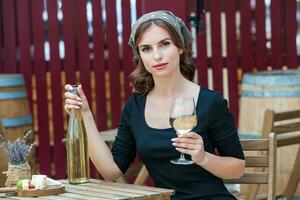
x: 145, y: 49
x: 165, y: 43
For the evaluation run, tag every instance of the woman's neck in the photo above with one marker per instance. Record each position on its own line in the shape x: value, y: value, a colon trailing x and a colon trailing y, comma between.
x: 169, y: 86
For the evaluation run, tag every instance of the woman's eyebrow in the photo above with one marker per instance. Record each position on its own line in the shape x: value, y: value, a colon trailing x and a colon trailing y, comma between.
x: 146, y: 45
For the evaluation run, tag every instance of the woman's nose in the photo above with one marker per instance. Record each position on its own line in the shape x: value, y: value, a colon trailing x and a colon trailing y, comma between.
x: 157, y: 54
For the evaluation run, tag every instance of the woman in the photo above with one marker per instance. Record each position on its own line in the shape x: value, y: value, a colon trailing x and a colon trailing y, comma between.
x: 164, y: 70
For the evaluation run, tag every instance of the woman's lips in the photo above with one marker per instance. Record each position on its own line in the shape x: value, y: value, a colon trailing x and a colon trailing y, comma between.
x: 160, y: 65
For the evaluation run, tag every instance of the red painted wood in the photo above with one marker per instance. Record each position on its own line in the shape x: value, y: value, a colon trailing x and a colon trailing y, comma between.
x: 23, y: 24
x: 1, y: 37
x: 246, y: 37
x: 127, y: 64
x: 290, y: 33
x: 231, y: 60
x: 276, y: 42
x: 113, y: 62
x: 153, y: 5
x: 83, y: 55
x: 9, y: 33
x: 56, y: 88
x: 201, y: 59
x: 261, y: 49
x: 216, y: 61
x: 82, y: 47
x: 99, y: 64
x: 44, y: 156
x: 139, y: 8
x: 69, y: 40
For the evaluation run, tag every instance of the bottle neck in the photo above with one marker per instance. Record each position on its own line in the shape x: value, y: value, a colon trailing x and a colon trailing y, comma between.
x: 76, y: 114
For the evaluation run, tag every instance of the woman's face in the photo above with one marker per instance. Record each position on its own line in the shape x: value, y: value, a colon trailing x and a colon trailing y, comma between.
x: 158, y: 52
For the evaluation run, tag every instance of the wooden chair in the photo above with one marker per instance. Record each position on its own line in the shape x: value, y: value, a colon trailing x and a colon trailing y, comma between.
x: 267, y: 160
x: 284, y: 125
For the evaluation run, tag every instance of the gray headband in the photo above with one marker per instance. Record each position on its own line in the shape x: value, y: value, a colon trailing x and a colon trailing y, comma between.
x: 167, y: 16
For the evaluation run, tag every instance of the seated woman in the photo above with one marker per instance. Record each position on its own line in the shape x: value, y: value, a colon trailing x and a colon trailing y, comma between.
x: 164, y: 70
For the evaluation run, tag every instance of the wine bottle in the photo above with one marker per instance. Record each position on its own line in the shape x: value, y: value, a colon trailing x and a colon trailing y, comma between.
x: 77, y: 148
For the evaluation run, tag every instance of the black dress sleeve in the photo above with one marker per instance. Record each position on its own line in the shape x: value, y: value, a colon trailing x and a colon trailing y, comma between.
x: 222, y: 130
x: 124, y: 147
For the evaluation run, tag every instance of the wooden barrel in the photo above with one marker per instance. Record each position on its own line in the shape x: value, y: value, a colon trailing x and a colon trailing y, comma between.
x: 15, y: 117
x: 277, y: 90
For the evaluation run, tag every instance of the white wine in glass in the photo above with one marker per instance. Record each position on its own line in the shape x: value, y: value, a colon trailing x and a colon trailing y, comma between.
x: 183, y: 119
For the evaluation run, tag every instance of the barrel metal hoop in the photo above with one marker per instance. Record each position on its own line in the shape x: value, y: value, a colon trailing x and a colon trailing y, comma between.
x: 12, y: 80
x: 12, y: 95
x: 278, y: 80
x: 277, y: 93
x: 244, y: 136
x: 14, y: 122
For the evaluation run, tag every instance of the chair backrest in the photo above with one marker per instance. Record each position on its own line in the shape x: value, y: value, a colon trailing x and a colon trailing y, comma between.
x: 266, y: 159
x: 282, y: 123
x: 286, y: 126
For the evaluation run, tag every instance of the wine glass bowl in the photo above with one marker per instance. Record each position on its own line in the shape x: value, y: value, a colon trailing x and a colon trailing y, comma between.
x: 183, y: 119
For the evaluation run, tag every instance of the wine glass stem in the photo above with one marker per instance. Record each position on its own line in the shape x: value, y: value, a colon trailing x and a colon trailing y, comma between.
x: 182, y: 156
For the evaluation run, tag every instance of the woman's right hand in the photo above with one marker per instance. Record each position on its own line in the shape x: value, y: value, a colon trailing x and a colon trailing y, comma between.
x: 73, y: 101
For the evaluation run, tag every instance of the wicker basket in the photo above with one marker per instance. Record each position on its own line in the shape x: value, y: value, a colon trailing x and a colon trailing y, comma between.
x: 16, y: 172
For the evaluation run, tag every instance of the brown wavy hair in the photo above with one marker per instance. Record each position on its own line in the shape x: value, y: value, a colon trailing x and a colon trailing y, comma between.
x: 140, y: 79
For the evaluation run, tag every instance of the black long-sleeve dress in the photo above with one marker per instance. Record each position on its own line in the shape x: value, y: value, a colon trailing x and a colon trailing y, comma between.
x: 154, y: 146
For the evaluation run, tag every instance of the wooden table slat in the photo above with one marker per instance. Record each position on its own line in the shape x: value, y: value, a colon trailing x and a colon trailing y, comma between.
x: 82, y: 196
x: 140, y: 187
x: 131, y: 192
x: 54, y: 197
x: 105, y: 190
x: 120, y: 188
x: 95, y: 193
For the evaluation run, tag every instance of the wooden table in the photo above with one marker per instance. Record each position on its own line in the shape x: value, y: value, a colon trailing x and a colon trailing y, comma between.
x: 98, y: 189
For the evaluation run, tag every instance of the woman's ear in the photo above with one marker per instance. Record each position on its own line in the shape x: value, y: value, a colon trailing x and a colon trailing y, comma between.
x: 180, y: 51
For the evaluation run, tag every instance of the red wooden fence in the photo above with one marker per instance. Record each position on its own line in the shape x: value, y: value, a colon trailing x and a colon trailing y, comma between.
x: 101, y: 63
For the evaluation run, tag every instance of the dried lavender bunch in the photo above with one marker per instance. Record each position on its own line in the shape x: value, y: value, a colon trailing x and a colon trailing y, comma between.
x: 18, y: 151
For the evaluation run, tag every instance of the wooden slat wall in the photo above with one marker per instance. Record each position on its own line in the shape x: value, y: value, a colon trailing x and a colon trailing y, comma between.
x: 290, y: 8
x: 202, y: 58
x: 276, y: 40
x: 127, y: 64
x: 113, y: 62
x: 231, y: 59
x: 23, y: 25
x: 1, y: 36
x: 98, y: 65
x: 68, y: 31
x: 9, y: 30
x: 40, y: 69
x: 216, y: 59
x: 246, y: 41
x: 102, y: 65
x: 261, y: 40
x: 56, y: 97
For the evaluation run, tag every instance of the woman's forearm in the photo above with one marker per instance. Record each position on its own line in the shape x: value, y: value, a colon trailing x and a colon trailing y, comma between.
x: 223, y: 167
x: 99, y: 152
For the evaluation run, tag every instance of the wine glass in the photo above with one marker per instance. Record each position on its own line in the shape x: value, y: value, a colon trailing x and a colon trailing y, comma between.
x: 183, y: 119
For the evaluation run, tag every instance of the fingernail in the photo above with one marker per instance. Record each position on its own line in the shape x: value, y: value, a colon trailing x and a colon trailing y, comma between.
x: 78, y: 98
x: 70, y: 88
x: 173, y: 139
x: 79, y: 103
x: 174, y: 144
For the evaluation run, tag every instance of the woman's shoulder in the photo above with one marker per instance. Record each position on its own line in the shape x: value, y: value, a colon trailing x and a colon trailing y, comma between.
x: 210, y: 95
x: 134, y: 100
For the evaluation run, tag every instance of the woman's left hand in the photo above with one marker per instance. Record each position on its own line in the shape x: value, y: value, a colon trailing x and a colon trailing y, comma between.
x: 191, y: 143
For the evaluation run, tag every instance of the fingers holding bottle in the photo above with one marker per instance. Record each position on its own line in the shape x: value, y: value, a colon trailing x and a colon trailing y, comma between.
x: 74, y: 101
